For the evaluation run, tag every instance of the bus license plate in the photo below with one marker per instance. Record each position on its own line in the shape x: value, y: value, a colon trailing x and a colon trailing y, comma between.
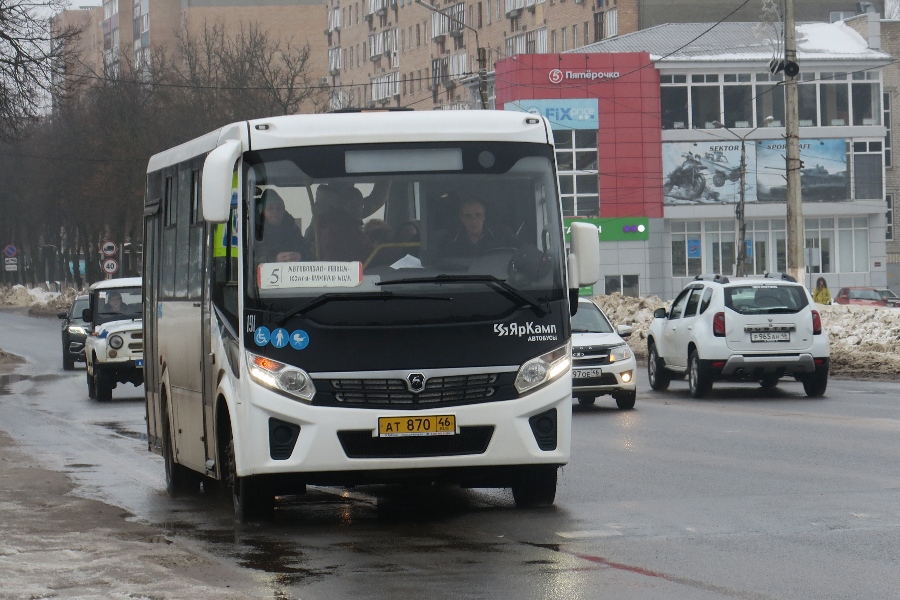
x: 770, y: 336
x: 139, y: 362
x: 417, y: 425
x: 585, y: 373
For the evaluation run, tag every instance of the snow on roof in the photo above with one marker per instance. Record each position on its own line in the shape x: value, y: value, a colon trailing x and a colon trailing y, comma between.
x: 739, y: 42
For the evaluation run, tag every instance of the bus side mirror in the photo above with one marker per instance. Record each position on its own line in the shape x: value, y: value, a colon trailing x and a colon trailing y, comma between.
x: 218, y: 170
x: 584, y: 255
x: 86, y: 316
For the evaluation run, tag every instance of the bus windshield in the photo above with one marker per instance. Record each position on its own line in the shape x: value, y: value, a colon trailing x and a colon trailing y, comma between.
x: 424, y: 222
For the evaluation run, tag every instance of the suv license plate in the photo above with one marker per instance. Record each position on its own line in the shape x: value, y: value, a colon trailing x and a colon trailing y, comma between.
x: 770, y: 336
x: 417, y: 425
x: 586, y: 373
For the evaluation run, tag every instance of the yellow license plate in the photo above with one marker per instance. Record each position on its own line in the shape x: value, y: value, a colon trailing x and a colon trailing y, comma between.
x: 417, y: 425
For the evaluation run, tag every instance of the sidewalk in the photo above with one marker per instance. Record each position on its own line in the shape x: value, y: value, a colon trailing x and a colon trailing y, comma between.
x: 56, y: 545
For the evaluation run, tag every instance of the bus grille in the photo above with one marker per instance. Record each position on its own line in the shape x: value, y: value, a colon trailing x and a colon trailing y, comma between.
x: 470, y: 440
x: 438, y: 390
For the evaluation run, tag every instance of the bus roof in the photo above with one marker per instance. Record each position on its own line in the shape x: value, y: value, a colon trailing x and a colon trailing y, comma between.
x: 118, y: 283
x: 366, y: 128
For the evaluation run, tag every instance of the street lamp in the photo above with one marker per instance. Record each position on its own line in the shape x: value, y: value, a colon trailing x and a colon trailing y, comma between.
x: 482, y: 53
x: 739, y: 210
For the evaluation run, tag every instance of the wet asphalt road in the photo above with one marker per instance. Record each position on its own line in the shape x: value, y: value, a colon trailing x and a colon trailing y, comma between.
x: 747, y: 494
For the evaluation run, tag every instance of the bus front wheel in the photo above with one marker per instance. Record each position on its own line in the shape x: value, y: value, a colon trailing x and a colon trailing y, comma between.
x: 535, y: 486
x: 252, y: 497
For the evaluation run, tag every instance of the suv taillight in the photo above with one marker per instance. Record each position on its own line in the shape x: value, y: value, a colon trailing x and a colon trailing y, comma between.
x: 719, y: 324
x: 817, y: 323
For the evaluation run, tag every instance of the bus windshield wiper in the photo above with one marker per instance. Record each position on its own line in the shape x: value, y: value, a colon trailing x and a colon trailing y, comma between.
x: 326, y: 298
x: 500, y: 285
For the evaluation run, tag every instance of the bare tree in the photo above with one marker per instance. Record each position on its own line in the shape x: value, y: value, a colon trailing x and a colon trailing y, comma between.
x: 30, y: 58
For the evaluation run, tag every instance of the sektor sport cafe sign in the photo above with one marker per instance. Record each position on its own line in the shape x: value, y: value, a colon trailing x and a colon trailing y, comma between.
x: 558, y: 75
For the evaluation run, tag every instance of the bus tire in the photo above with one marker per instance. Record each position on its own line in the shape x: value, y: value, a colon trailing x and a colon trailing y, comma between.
x: 535, y: 486
x: 180, y: 480
x: 252, y: 497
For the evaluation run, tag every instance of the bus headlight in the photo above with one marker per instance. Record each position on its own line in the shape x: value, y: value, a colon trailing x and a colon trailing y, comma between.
x: 619, y: 353
x: 115, y: 341
x: 543, y: 369
x: 280, y: 377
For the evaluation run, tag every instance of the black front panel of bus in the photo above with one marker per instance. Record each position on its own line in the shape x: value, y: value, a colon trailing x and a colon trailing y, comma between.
x: 508, y: 338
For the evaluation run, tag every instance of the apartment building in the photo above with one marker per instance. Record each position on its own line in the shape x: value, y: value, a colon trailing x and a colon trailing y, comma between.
x: 88, y: 46
x: 424, y: 54
x: 132, y: 29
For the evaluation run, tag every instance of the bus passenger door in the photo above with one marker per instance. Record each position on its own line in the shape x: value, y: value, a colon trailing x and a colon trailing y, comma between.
x: 181, y: 319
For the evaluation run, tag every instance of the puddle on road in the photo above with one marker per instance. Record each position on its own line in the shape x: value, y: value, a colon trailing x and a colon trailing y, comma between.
x: 120, y: 429
x: 9, y: 378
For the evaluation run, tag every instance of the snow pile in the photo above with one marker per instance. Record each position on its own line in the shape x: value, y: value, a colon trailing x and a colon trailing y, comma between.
x: 40, y: 301
x: 865, y: 341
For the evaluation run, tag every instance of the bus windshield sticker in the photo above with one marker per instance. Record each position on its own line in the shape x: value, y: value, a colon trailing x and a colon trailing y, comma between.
x: 274, y: 276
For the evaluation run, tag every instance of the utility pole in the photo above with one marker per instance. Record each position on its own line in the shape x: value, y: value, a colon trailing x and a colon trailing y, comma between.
x: 795, y: 226
x: 481, y: 54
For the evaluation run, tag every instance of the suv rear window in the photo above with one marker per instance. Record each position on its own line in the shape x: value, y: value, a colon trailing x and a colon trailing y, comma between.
x: 763, y: 298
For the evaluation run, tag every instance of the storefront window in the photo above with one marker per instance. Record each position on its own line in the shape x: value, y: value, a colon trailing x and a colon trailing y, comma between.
x: 806, y: 95
x: 737, y: 96
x: 769, y: 100
x: 576, y: 159
x: 867, y: 170
x: 866, y: 104
x: 720, y: 246
x: 705, y: 107
x: 686, y: 248
x: 853, y: 240
x: 834, y: 99
x: 674, y: 107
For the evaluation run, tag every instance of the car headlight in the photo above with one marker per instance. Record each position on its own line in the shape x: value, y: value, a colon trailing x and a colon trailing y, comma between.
x: 543, y: 369
x: 77, y: 330
x: 280, y: 377
x: 116, y: 341
x: 619, y: 353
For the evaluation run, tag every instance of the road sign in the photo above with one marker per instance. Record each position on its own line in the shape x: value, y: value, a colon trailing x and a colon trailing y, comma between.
x: 110, y: 266
x: 10, y: 251
x: 108, y: 248
x: 12, y: 264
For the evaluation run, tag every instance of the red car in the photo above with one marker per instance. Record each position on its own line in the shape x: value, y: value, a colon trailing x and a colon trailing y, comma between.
x: 867, y: 296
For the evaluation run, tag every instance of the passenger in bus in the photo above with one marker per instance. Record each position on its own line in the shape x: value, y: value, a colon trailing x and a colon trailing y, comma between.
x: 473, y: 237
x: 344, y: 197
x: 338, y: 228
x: 280, y: 239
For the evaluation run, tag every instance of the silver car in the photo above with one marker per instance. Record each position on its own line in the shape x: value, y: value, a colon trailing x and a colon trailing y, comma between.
x: 602, y: 362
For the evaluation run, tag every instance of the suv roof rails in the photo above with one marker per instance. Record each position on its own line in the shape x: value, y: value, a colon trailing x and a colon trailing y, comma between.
x: 784, y: 276
x: 714, y: 277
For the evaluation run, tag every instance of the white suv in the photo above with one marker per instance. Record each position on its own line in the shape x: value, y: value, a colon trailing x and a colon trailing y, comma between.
x: 114, y: 352
x: 742, y: 329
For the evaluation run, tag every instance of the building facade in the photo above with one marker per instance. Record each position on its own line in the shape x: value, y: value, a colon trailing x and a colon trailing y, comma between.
x: 424, y: 54
x: 676, y: 108
x: 885, y: 34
